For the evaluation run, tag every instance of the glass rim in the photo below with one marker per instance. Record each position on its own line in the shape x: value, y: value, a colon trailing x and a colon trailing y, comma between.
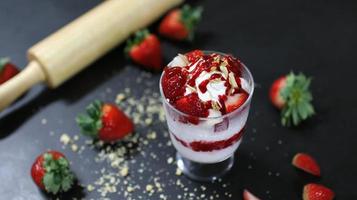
x: 218, y: 117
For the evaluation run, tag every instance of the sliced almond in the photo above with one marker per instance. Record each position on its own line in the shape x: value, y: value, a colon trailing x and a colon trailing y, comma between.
x: 232, y: 80
x: 224, y: 70
x: 184, y: 58
x: 191, y: 88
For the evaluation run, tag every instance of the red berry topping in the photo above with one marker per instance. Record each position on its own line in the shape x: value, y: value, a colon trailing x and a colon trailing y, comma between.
x: 206, y: 146
x: 194, y: 55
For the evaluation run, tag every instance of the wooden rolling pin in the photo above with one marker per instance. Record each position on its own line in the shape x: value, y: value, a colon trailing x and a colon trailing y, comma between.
x: 78, y: 44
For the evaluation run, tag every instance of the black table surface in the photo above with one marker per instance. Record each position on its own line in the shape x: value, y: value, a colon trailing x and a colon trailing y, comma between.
x: 271, y: 38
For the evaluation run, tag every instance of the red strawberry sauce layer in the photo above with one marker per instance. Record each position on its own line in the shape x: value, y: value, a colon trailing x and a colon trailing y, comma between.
x: 223, y: 68
x: 206, y: 146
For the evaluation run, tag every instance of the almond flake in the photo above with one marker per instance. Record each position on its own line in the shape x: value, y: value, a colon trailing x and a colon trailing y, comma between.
x: 184, y: 58
x: 191, y: 88
x: 224, y: 70
x: 232, y: 80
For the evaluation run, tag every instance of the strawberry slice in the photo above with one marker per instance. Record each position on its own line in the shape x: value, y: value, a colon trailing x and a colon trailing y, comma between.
x: 180, y: 24
x: 306, y: 163
x: 105, y: 122
x: 314, y: 191
x: 144, y: 48
x: 235, y: 101
x: 292, y: 96
x: 7, y: 70
x: 249, y: 196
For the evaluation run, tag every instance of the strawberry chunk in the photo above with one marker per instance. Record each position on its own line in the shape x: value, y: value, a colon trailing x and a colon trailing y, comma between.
x: 306, y: 163
x: 314, y: 191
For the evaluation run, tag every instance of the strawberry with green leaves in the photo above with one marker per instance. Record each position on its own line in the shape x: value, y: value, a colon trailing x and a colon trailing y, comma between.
x: 7, y: 70
x: 180, y: 24
x: 105, y: 122
x: 144, y: 48
x: 291, y: 94
x: 51, y: 172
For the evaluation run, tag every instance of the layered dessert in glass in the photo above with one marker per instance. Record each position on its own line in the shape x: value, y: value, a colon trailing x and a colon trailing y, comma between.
x: 206, y: 98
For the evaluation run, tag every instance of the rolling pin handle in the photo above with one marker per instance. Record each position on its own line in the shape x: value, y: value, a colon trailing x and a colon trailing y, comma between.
x: 19, y: 84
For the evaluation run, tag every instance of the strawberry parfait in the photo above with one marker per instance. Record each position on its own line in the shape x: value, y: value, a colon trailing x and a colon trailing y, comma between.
x: 206, y: 101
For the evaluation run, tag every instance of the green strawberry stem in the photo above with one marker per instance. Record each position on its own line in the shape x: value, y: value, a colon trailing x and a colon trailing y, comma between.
x: 58, y: 177
x: 136, y: 39
x: 3, y: 62
x: 91, y: 122
x: 298, y: 99
x: 190, y: 17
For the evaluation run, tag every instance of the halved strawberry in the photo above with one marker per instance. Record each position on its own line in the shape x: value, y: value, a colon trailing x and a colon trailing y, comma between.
x: 180, y: 24
x: 314, y: 191
x: 235, y: 101
x: 144, y: 48
x: 105, y: 121
x: 173, y: 82
x: 192, y: 105
x: 7, y: 70
x: 306, y: 163
x: 51, y: 172
x: 249, y: 196
x: 291, y: 95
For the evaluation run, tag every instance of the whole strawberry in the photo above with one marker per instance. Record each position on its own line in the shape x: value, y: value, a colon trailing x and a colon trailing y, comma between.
x: 292, y: 96
x: 180, y: 24
x: 144, y: 48
x: 314, y: 191
x: 51, y: 172
x: 7, y: 70
x: 105, y: 122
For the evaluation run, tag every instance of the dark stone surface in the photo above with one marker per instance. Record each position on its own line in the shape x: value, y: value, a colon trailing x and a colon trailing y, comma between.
x: 271, y: 38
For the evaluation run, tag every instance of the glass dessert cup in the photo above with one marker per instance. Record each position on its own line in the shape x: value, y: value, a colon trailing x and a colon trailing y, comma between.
x: 205, y: 146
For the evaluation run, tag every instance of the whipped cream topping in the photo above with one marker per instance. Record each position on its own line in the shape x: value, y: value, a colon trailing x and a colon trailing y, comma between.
x: 215, y: 87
